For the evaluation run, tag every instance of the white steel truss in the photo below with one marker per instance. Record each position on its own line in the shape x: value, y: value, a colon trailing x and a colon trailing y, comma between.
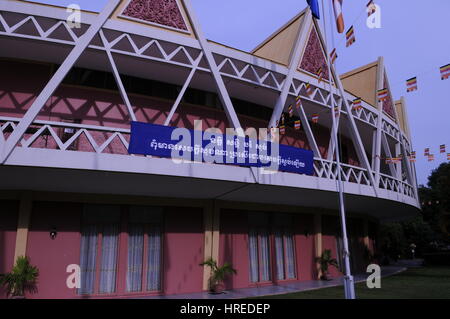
x: 101, y: 34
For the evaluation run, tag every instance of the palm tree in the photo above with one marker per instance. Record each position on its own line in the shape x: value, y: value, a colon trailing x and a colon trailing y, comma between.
x: 218, y: 274
x: 21, y: 279
x: 325, y: 261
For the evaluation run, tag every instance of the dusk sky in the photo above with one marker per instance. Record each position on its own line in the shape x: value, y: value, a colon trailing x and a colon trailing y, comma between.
x: 413, y: 40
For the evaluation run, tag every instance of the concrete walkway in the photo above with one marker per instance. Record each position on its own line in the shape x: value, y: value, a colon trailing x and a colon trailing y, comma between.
x: 279, y: 289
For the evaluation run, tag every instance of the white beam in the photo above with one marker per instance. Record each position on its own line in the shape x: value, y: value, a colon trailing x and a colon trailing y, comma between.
x: 222, y: 90
x: 183, y: 89
x: 117, y: 77
x: 57, y: 78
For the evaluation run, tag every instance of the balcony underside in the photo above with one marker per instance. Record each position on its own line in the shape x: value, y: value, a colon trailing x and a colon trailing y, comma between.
x: 82, y: 172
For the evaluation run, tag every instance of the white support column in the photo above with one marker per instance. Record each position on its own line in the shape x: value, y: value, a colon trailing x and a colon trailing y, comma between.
x: 398, y: 165
x: 57, y: 78
x: 359, y: 147
x: 309, y: 134
x: 117, y: 77
x: 379, y: 86
x: 295, y: 60
x: 222, y: 90
x: 183, y: 89
x: 387, y: 151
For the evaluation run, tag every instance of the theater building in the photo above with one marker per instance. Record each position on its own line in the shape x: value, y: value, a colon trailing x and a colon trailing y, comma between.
x: 72, y: 194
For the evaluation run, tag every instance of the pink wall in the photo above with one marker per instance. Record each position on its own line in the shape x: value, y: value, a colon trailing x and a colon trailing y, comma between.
x: 234, y: 246
x: 53, y: 256
x: 183, y: 250
x: 8, y: 230
x: 98, y: 107
x: 304, y: 245
x: 330, y: 226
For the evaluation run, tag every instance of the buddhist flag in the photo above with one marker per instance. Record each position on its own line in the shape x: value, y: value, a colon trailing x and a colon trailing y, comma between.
x: 357, y: 104
x: 298, y: 102
x: 411, y: 84
x: 430, y: 158
x: 309, y: 89
x: 445, y: 72
x: 319, y: 73
x: 382, y: 95
x: 333, y: 56
x: 412, y: 157
x: 442, y: 148
x: 315, y: 118
x: 337, y: 6
x: 427, y: 151
x: 290, y: 110
x: 297, y: 124
x: 314, y: 5
x: 282, y: 129
x: 448, y: 156
x: 350, y: 36
x: 371, y: 8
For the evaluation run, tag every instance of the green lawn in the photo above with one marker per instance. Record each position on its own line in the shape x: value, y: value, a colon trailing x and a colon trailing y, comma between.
x: 419, y: 283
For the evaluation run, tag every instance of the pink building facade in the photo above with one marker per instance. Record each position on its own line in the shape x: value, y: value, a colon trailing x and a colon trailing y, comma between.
x: 141, y: 225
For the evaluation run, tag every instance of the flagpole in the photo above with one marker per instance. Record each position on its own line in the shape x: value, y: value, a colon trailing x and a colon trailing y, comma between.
x: 349, y: 285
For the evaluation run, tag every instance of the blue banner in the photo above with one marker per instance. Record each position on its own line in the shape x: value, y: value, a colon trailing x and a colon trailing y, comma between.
x: 215, y: 147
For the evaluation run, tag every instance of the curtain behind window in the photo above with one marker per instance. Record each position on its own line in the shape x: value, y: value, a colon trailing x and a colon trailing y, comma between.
x: 87, y: 260
x: 135, y: 257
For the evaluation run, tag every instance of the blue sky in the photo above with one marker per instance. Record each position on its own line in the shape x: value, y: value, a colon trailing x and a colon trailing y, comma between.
x: 413, y: 40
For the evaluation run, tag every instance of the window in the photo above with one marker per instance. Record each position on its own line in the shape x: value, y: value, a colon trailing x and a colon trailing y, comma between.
x: 144, y: 249
x: 99, y: 245
x: 259, y: 247
x: 100, y: 249
x: 284, y: 247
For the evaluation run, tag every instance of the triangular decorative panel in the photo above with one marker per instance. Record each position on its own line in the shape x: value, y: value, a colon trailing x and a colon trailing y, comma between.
x: 161, y: 12
x: 314, y: 56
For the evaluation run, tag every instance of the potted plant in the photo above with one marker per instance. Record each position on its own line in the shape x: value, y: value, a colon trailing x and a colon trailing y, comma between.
x: 325, y: 261
x: 218, y: 274
x: 21, y: 279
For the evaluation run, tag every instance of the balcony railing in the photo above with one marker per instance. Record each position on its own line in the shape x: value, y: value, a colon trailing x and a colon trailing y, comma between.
x: 110, y: 140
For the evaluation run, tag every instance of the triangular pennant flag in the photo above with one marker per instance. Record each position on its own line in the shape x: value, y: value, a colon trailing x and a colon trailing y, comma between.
x: 333, y: 56
x: 319, y: 73
x: 411, y: 84
x: 350, y: 36
x: 371, y: 8
x: 382, y: 95
x: 298, y: 102
x: 357, y: 104
x: 309, y: 89
x: 291, y: 110
x: 445, y: 72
